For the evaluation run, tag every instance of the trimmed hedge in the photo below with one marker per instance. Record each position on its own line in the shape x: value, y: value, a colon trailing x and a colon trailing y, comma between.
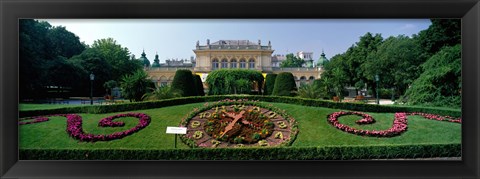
x: 284, y: 84
x: 184, y: 82
x: 269, y: 83
x: 224, y: 81
x: 198, y: 85
x: 278, y: 99
x: 278, y: 153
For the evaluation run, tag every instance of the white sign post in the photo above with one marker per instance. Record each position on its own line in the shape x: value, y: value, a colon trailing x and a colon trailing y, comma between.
x: 176, y: 130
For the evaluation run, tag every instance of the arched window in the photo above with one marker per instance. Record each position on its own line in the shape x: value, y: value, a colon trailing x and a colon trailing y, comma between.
x: 214, y: 64
x: 243, y: 63
x: 233, y: 63
x: 303, y: 80
x: 251, y: 63
x: 224, y: 63
x: 311, y: 79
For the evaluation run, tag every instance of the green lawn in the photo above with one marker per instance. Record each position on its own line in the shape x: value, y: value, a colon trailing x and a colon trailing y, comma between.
x: 314, y: 130
x: 27, y: 106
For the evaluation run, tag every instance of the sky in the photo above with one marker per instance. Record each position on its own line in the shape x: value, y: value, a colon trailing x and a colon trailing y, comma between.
x: 176, y: 38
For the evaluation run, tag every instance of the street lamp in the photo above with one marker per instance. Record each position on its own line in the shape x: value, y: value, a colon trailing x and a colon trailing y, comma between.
x: 377, y: 78
x: 92, y: 77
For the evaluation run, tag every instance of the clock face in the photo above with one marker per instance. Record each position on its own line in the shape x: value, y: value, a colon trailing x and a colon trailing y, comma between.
x: 238, y: 125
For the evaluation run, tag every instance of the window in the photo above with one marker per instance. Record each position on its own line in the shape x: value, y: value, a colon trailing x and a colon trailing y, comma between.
x: 233, y: 63
x: 214, y: 64
x: 243, y: 63
x: 251, y: 63
x: 224, y: 63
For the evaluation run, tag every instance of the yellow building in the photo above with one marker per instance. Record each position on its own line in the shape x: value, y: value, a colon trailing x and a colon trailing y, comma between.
x: 232, y: 54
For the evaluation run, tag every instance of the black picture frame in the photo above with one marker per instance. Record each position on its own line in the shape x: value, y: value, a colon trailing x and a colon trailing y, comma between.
x: 11, y: 11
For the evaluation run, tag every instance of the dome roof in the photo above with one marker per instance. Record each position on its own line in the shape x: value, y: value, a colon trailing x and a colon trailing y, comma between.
x: 322, y: 60
x: 156, y: 62
x: 144, y: 59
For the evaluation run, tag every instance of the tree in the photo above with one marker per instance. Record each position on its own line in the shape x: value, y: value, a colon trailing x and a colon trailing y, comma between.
x: 184, y: 83
x: 109, y: 85
x: 338, y: 82
x: 397, y: 61
x: 441, y: 33
x: 135, y: 86
x: 161, y: 92
x: 38, y: 51
x: 284, y: 85
x: 269, y: 83
x: 199, y: 85
x: 91, y: 62
x: 117, y: 56
x: 64, y: 43
x: 440, y: 83
x: 292, y: 61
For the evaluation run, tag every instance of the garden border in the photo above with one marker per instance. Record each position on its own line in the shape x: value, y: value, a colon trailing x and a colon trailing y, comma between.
x: 97, y: 109
x: 250, y: 153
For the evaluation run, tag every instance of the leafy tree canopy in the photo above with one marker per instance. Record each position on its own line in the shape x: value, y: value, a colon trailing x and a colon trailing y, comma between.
x: 292, y: 61
x: 440, y: 83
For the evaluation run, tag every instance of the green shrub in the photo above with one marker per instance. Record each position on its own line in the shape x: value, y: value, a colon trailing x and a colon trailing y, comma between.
x: 269, y: 83
x: 276, y: 99
x: 198, y: 85
x: 250, y: 153
x: 135, y: 86
x: 310, y: 91
x: 224, y: 81
x: 184, y: 83
x: 284, y: 84
x: 161, y: 92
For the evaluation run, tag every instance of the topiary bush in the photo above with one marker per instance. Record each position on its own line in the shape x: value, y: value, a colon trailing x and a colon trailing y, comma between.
x: 184, y: 83
x: 269, y: 83
x: 224, y: 81
x: 198, y: 85
x: 284, y: 85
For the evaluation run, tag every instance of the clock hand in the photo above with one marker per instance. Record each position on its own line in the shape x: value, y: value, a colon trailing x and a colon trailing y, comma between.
x: 231, y: 124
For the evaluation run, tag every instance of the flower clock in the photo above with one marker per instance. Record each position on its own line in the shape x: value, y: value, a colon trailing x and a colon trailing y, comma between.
x: 239, y: 125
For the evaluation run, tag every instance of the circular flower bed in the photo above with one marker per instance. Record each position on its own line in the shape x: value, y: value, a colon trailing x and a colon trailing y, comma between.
x: 238, y: 123
x: 399, y: 123
x: 75, y: 130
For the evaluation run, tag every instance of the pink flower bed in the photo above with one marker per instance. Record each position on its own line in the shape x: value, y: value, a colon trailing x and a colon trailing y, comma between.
x: 74, y: 127
x: 399, y: 123
x: 75, y: 130
x: 36, y: 119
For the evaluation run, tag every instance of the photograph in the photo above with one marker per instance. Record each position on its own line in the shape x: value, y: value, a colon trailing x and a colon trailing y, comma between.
x: 240, y: 89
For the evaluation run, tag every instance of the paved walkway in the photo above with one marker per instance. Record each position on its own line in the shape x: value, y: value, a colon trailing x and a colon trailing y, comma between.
x: 381, y: 101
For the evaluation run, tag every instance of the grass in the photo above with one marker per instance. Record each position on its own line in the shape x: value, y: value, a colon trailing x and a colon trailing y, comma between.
x: 314, y: 130
x: 29, y: 106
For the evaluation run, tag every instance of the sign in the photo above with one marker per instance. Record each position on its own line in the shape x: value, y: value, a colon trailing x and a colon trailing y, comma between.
x: 176, y: 130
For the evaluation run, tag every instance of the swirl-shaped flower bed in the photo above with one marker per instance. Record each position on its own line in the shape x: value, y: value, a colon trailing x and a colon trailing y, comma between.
x: 75, y: 129
x: 399, y: 126
x: 32, y: 120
